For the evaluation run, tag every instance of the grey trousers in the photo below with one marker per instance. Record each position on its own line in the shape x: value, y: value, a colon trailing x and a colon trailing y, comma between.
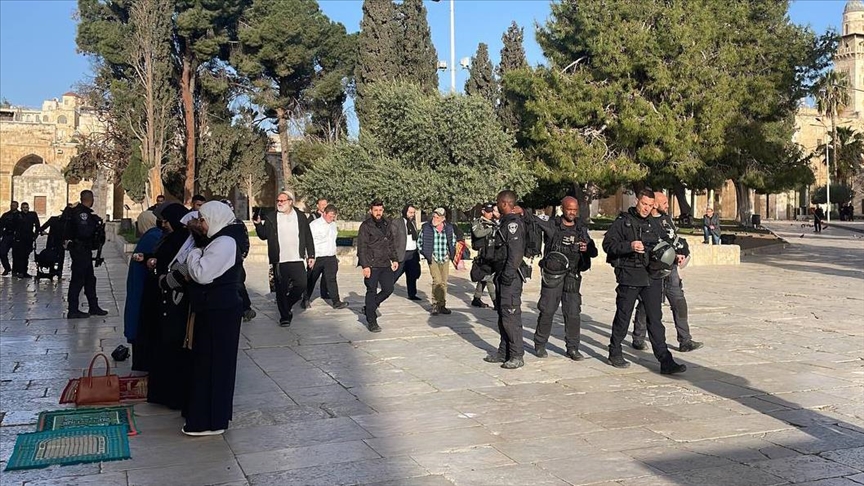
x: 673, y: 290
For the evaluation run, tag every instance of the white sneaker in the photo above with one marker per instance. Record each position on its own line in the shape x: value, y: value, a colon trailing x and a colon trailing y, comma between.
x: 203, y: 433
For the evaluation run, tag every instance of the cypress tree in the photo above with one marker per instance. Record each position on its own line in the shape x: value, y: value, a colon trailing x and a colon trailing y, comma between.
x: 512, y: 58
x: 418, y: 57
x: 378, y: 55
x: 481, y: 81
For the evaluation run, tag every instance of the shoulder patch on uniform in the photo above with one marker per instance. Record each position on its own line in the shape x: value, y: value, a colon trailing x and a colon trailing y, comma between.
x: 83, y: 216
x: 512, y: 228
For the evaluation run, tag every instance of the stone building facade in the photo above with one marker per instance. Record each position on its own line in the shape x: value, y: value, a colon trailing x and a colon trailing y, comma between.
x: 35, y: 147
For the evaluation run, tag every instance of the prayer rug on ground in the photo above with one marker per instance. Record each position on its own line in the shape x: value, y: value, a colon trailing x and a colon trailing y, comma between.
x: 70, y: 446
x: 88, y: 417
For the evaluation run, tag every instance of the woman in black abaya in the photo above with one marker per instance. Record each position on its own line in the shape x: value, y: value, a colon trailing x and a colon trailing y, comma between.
x: 168, y: 312
x: 215, y: 274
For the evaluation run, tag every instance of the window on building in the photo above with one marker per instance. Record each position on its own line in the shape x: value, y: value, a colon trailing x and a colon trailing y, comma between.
x: 40, y: 204
x: 45, y: 118
x: 61, y: 119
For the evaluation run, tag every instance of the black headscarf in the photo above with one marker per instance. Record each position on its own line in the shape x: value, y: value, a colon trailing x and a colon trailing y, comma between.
x: 412, y: 230
x: 171, y: 242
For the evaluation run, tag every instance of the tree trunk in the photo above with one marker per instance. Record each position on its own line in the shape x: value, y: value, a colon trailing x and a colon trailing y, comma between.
x: 745, y: 203
x: 282, y: 127
x: 583, y: 195
x: 187, y: 90
x: 681, y: 196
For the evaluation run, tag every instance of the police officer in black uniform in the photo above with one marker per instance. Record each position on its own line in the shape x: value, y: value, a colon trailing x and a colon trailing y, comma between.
x: 673, y: 288
x: 483, y: 240
x: 8, y: 226
x: 628, y: 244
x: 83, y: 234
x: 569, y: 249
x: 25, y: 237
x: 508, y: 269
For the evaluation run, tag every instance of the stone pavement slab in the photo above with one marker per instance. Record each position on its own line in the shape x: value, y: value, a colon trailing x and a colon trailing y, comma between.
x: 775, y: 396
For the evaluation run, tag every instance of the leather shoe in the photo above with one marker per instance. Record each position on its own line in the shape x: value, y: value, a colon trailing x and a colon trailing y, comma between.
x: 494, y: 358
x: 77, y: 314
x: 575, y: 355
x: 414, y: 298
x: 640, y: 345
x: 444, y: 310
x: 98, y: 312
x: 287, y: 322
x: 689, y: 346
x: 540, y: 351
x: 339, y: 304
x: 513, y: 363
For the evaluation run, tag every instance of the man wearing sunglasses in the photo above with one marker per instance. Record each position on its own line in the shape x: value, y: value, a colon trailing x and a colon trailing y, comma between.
x: 290, y: 249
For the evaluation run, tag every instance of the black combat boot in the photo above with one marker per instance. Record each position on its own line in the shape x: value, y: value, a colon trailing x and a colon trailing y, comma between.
x: 668, y: 366
x: 616, y: 359
x: 540, y: 350
x: 513, y: 363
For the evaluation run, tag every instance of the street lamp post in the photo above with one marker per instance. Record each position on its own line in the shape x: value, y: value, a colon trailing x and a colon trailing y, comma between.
x: 452, y: 45
x: 827, y: 170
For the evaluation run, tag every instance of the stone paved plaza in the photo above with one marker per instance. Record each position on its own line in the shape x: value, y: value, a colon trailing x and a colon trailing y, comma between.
x: 776, y: 396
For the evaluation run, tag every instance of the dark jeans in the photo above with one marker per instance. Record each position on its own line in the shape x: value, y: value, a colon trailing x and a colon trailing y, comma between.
x: 82, y: 277
x: 651, y: 296
x: 817, y: 223
x: 411, y: 268
x: 5, y: 246
x: 673, y: 289
x: 290, y: 286
x: 327, y: 266
x: 384, y: 278
x: 571, y: 303
x: 509, y: 300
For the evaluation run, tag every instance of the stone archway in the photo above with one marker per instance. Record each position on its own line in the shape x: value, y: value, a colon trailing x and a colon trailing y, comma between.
x: 43, y: 187
x: 21, y: 166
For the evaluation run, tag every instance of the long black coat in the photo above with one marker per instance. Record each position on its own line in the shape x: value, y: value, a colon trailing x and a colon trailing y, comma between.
x: 270, y: 232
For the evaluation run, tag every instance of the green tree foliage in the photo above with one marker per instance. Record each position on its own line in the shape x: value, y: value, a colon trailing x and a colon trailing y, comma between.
x: 840, y: 194
x: 698, y: 85
x: 428, y: 150
x: 134, y: 178
x: 564, y: 123
x: 282, y: 52
x: 481, y: 82
x: 418, y: 59
x: 512, y: 59
x: 378, y: 53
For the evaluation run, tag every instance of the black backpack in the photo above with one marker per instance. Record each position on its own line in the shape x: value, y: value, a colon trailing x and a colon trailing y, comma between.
x: 533, y: 237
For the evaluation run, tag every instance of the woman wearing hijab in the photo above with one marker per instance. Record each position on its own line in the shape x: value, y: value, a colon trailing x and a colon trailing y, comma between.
x: 136, y: 280
x: 215, y: 272
x: 167, y: 311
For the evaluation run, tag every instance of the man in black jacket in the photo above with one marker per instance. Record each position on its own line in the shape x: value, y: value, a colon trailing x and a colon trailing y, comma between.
x: 628, y: 245
x: 290, y: 250
x: 673, y: 288
x: 8, y: 226
x: 482, y: 240
x: 567, y: 240
x: 25, y: 237
x: 378, y: 257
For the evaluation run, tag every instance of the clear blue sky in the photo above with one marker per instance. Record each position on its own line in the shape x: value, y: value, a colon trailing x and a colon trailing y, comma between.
x: 38, y: 58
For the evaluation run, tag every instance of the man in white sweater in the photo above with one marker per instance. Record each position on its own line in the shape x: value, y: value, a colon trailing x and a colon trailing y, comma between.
x: 324, y: 233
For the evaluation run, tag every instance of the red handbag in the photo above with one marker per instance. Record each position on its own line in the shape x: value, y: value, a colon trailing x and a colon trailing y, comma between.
x: 98, y: 389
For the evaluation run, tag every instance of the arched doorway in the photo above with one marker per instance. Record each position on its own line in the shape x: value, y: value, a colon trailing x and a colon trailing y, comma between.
x: 21, y: 166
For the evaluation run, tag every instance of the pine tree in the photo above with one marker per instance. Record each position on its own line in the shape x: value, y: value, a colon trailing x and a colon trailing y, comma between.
x: 418, y: 57
x: 378, y: 58
x: 512, y: 58
x: 481, y: 81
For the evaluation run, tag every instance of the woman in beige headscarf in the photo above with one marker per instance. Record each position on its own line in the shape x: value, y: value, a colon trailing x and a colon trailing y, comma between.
x: 215, y: 274
x: 136, y: 280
